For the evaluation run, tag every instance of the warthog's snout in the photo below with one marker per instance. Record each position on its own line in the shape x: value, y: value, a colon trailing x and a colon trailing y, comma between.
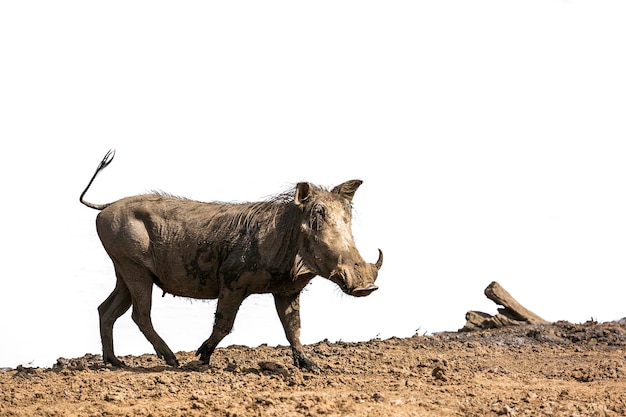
x: 364, y: 291
x: 357, y: 281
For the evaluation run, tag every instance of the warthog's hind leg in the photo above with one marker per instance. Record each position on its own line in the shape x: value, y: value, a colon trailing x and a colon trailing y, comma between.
x: 142, y: 304
x: 110, y: 310
x: 139, y: 281
x: 227, y: 307
x: 288, y: 308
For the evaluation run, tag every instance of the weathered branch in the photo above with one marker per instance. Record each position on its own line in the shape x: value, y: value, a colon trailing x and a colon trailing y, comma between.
x: 513, y: 313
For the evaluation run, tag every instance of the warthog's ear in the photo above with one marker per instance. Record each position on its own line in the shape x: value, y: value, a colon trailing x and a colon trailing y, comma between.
x: 347, y: 189
x: 303, y: 191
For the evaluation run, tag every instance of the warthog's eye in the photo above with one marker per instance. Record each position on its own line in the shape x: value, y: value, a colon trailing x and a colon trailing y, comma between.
x: 318, y: 212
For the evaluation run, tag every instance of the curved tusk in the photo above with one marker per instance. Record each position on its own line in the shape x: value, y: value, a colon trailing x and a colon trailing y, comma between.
x: 379, y: 262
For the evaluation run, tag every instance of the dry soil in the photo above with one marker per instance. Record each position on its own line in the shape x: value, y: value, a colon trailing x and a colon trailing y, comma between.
x: 562, y: 369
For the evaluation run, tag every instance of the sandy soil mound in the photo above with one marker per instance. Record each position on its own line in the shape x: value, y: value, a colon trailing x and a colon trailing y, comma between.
x: 562, y: 369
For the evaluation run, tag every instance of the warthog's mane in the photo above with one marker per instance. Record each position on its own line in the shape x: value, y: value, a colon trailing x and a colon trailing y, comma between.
x: 250, y: 215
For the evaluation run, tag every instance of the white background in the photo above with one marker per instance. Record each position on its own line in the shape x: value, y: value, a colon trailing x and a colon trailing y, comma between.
x: 489, y: 134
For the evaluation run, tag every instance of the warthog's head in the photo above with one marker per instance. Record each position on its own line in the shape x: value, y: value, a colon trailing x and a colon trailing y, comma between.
x: 328, y: 248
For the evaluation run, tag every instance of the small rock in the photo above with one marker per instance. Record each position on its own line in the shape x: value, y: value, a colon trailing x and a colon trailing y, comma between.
x: 439, y: 374
x: 275, y: 368
x: 378, y: 397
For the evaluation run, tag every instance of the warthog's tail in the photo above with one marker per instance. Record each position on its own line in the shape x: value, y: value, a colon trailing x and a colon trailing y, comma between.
x: 103, y: 164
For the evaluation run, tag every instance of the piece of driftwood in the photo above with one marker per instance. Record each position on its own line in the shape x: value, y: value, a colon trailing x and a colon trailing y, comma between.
x: 512, y: 313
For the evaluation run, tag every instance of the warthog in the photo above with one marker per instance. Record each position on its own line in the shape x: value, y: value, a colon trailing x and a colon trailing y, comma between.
x: 227, y: 251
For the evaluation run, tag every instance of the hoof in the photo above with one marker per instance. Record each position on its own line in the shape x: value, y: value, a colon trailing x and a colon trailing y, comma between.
x: 303, y: 362
x: 115, y: 362
x: 173, y: 362
x: 205, y: 353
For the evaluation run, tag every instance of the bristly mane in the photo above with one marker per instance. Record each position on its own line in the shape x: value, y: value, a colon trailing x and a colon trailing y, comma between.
x: 166, y: 194
x: 248, y: 215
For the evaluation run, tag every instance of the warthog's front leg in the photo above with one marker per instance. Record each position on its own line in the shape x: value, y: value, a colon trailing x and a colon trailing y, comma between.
x: 227, y: 307
x: 288, y: 308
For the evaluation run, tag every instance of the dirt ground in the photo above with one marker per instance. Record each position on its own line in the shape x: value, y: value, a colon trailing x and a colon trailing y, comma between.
x: 562, y: 369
